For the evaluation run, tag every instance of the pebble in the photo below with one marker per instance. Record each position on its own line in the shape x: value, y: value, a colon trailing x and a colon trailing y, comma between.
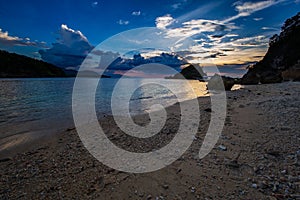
x: 254, y: 185
x: 165, y: 186
x: 141, y: 194
x: 193, y: 189
x: 222, y: 147
x: 283, y: 171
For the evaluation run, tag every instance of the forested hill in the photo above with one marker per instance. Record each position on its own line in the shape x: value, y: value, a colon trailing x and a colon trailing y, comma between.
x: 17, y: 66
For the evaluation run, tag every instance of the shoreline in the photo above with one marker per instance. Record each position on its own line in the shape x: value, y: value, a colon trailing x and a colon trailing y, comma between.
x: 28, y: 140
x: 260, y: 159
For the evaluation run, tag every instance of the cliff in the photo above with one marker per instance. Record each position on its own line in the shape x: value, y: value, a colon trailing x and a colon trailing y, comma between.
x: 282, y: 60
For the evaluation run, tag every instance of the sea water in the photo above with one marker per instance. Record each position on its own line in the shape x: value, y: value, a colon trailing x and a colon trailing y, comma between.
x: 45, y: 104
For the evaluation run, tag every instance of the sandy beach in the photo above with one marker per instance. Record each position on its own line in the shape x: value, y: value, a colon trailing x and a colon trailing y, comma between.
x: 256, y: 157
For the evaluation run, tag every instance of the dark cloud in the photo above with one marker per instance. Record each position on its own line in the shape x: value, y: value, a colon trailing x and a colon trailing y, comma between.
x: 227, y: 49
x: 122, y: 65
x: 227, y: 70
x: 70, y: 49
x: 216, y: 55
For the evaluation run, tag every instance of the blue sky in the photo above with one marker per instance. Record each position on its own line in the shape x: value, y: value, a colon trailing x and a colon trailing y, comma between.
x: 230, y: 33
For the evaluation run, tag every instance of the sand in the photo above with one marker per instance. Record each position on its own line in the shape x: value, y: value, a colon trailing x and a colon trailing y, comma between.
x: 256, y: 157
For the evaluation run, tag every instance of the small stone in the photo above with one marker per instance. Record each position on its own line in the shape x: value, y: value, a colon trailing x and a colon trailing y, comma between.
x: 193, y: 189
x: 222, y: 147
x: 149, y: 197
x: 165, y: 186
x: 254, y: 185
x: 141, y: 194
x: 242, y: 192
x: 283, y: 171
x: 263, y: 185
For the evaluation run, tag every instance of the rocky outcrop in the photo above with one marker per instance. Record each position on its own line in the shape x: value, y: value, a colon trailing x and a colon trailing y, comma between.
x: 190, y: 72
x: 215, y: 83
x: 292, y: 73
x: 17, y: 66
x: 281, y: 60
x: 270, y: 77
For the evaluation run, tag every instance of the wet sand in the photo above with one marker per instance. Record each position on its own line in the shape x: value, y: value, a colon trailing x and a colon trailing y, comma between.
x: 256, y: 157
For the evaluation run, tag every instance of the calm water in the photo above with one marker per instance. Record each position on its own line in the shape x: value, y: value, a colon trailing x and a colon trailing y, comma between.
x: 45, y: 105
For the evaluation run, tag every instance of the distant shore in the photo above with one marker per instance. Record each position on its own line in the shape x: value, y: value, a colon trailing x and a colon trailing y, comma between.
x: 256, y: 157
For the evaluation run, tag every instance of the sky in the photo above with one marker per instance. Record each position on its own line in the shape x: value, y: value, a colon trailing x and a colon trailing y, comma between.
x: 231, y: 34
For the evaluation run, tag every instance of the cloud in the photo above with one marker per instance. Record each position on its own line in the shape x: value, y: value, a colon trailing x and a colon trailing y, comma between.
x: 136, y: 13
x: 258, y: 19
x: 180, y: 4
x: 164, y: 21
x: 198, y: 26
x: 237, y: 50
x: 123, y: 22
x: 245, y: 9
x: 105, y: 58
x: 198, y: 12
x: 215, y: 41
x: 270, y: 28
x: 257, y: 41
x: 95, y: 4
x: 249, y: 7
x: 70, y: 49
x: 7, y: 40
x: 176, y: 6
x: 204, y: 25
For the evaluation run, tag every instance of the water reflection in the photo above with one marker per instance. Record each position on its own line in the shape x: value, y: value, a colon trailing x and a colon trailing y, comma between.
x: 45, y: 104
